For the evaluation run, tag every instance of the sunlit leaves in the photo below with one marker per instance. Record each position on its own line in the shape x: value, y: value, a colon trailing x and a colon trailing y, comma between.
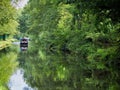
x: 7, y: 12
x: 9, y: 28
x: 8, y: 15
x: 65, y: 17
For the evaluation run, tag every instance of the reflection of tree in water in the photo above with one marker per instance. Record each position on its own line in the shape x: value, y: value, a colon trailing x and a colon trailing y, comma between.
x: 8, y: 65
x: 25, y: 88
x: 52, y: 71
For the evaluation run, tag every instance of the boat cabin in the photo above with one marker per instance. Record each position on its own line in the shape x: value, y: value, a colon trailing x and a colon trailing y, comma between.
x: 23, y: 44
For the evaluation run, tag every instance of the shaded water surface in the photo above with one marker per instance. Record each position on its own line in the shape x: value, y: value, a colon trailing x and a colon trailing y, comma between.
x: 44, y: 70
x: 61, y: 71
x: 17, y: 80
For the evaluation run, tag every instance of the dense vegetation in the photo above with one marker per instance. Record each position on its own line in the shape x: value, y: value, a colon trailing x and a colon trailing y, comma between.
x: 8, y: 65
x: 8, y: 27
x: 8, y: 17
x: 89, y: 30
x: 75, y: 44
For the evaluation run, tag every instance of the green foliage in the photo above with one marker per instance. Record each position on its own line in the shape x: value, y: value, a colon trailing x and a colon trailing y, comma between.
x: 87, y: 29
x: 7, y: 67
x: 9, y: 28
x: 8, y: 15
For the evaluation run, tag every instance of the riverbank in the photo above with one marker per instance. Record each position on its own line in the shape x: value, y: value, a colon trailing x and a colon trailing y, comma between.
x: 6, y: 43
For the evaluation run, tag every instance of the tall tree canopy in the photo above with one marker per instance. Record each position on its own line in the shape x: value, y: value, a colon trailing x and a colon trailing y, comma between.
x: 8, y: 15
x: 89, y: 29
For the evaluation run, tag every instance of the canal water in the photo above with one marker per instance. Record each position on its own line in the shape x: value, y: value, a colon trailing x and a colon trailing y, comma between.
x: 17, y: 81
x: 37, y: 69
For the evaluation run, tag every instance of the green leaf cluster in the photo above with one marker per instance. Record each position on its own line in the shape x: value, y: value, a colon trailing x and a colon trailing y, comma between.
x: 8, y: 15
x: 89, y: 30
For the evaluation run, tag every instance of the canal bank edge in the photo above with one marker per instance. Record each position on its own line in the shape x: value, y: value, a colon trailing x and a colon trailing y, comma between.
x: 6, y: 43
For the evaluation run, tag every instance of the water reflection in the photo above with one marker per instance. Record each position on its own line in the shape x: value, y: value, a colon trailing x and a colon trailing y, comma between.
x: 17, y: 81
x: 11, y: 76
x: 8, y: 65
x: 45, y: 70
x: 52, y: 71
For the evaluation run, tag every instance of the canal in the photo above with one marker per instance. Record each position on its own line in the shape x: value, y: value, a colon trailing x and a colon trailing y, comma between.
x: 36, y: 69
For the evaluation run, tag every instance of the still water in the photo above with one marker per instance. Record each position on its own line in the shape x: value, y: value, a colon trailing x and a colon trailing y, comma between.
x: 37, y: 69
x: 17, y: 81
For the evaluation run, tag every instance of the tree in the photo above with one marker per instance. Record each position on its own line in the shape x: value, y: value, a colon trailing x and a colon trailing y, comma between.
x: 8, y: 23
x: 86, y: 29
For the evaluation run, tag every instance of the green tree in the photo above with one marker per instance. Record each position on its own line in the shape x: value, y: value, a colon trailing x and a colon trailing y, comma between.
x: 83, y: 28
x: 8, y: 23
